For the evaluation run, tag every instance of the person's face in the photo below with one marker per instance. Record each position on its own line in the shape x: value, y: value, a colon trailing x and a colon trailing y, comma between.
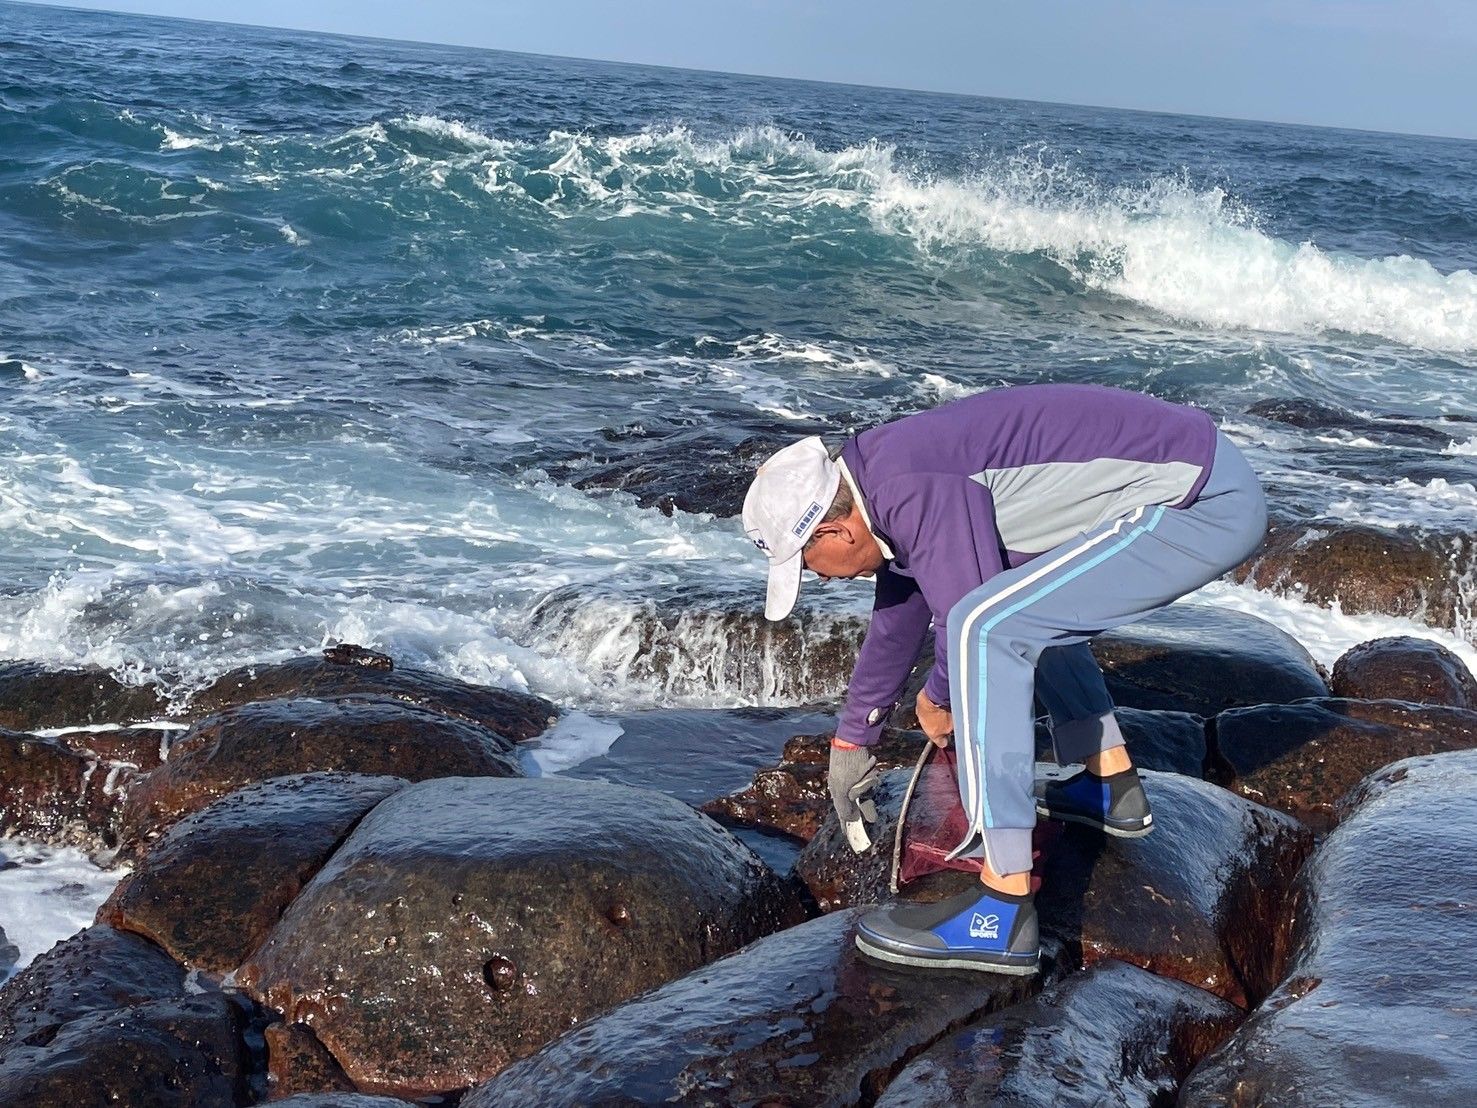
x: 843, y: 548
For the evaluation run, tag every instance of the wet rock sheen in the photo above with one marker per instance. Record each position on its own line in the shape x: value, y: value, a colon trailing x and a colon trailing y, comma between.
x: 1405, y: 668
x: 467, y: 921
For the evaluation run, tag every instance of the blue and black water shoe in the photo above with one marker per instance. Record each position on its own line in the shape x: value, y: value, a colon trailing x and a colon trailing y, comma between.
x: 978, y: 930
x: 1115, y: 804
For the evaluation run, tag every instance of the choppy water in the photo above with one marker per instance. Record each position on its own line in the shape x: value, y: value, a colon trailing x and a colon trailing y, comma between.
x: 292, y: 327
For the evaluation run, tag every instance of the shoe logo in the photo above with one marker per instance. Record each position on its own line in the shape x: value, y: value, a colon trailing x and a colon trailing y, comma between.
x: 984, y: 927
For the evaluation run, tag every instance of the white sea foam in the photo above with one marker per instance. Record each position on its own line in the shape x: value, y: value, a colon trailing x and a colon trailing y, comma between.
x: 47, y: 894
x: 1468, y: 447
x: 286, y: 231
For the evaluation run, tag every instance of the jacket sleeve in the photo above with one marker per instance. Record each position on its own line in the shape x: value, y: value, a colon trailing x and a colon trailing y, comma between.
x: 900, y: 617
x: 946, y: 524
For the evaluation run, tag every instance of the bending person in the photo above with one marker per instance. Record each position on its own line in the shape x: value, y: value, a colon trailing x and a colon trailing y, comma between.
x: 1019, y: 522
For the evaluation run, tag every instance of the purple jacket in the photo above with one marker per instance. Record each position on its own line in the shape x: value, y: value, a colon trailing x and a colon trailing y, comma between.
x: 957, y: 494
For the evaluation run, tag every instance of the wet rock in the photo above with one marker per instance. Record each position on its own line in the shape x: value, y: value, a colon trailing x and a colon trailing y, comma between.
x: 352, y: 654
x: 791, y: 797
x: 1113, y: 1037
x: 1201, y: 659
x: 504, y: 910
x: 1376, y: 1008
x: 97, y: 971
x: 1200, y: 899
x: 692, y: 469
x: 1424, y: 575
x: 34, y: 697
x: 215, y: 884
x: 1405, y: 668
x: 278, y: 738
x: 1302, y: 758
x: 185, y: 1051
x: 798, y: 1018
x: 341, y: 1100
x: 516, y: 716
x: 298, y: 1063
x: 139, y: 748
x: 57, y: 795
x: 1311, y: 415
x: 1173, y: 742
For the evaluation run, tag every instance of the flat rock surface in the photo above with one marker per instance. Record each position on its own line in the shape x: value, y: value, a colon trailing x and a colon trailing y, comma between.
x: 34, y: 696
x: 798, y: 1018
x: 184, y: 1052
x: 1112, y: 1037
x: 514, y: 715
x: 1302, y: 758
x: 467, y: 921
x: 1377, y: 1006
x: 98, y: 970
x: 278, y: 738
x: 1202, y: 659
x: 212, y: 888
x: 1404, y: 668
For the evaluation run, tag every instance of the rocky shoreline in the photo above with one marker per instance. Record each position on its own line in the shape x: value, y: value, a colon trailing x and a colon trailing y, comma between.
x: 346, y: 891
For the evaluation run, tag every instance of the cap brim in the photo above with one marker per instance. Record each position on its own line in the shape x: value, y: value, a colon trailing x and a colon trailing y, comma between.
x: 784, y: 587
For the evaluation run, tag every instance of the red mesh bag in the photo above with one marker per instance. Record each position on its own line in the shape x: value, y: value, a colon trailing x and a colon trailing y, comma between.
x: 932, y: 821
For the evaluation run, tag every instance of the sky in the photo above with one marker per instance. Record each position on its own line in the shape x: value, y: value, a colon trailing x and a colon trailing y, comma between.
x: 1383, y: 65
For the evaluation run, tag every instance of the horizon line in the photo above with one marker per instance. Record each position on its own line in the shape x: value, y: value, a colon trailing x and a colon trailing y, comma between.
x: 735, y: 73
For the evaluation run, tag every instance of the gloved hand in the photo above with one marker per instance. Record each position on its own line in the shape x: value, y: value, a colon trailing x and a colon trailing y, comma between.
x: 851, y: 776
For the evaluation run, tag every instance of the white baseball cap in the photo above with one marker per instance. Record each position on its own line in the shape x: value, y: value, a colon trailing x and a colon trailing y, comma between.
x: 786, y: 502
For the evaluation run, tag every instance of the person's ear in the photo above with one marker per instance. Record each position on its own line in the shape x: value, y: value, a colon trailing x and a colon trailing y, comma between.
x: 836, y: 527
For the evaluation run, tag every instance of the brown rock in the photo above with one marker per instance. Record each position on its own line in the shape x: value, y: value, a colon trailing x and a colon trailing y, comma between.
x: 791, y: 797
x: 298, y: 1063
x: 341, y: 1100
x: 515, y: 716
x: 1113, y: 1037
x: 1404, y: 668
x: 215, y: 884
x: 185, y: 1051
x: 1376, y: 1008
x: 1200, y: 899
x: 141, y: 748
x: 33, y: 697
x: 278, y: 738
x: 1302, y: 758
x: 97, y: 971
x: 798, y: 1018
x: 1409, y: 572
x: 41, y: 788
x: 400, y: 951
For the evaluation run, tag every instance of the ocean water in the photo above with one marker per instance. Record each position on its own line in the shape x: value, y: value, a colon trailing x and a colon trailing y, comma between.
x: 295, y: 332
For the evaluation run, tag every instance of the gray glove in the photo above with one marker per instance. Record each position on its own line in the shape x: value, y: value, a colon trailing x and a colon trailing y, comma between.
x: 851, y: 776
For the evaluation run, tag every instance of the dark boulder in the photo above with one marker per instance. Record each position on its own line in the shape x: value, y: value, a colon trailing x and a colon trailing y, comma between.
x: 1113, y: 1037
x: 1172, y: 742
x: 340, y: 1100
x: 97, y: 971
x: 791, y: 797
x: 467, y: 921
x: 1202, y: 659
x: 1313, y: 416
x: 1377, y: 1005
x: 1424, y: 575
x: 186, y: 1051
x: 33, y: 697
x: 798, y: 1018
x: 1405, y: 668
x: 55, y: 794
x: 1302, y: 758
x: 1200, y: 899
x: 215, y: 884
x: 278, y: 738
x: 514, y: 715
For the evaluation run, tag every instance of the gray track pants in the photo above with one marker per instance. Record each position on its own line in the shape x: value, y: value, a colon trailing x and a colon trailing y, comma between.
x: 1026, y: 630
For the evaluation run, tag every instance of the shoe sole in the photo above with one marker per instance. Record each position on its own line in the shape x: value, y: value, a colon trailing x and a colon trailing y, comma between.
x: 882, y: 954
x: 1098, y: 825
